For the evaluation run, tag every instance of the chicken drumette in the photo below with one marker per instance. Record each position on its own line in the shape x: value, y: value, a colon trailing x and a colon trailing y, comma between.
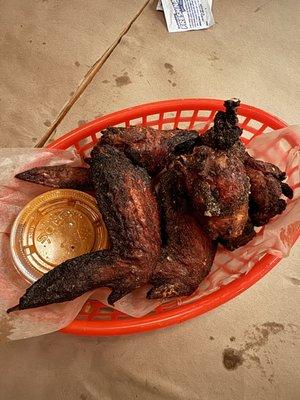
x: 266, y: 186
x: 218, y: 189
x: 215, y: 179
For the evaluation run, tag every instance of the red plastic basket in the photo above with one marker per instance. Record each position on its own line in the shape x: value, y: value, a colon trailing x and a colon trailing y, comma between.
x: 97, y: 319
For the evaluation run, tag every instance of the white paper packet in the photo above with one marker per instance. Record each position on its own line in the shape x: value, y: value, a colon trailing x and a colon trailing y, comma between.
x: 187, y: 15
x: 159, y: 6
x: 281, y: 147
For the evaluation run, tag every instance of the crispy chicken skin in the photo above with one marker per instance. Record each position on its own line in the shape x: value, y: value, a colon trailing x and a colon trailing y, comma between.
x: 59, y: 176
x: 264, y: 167
x: 245, y: 237
x: 188, y: 253
x: 218, y: 189
x: 216, y: 180
x: 265, y: 196
x: 266, y: 191
x: 266, y: 186
x: 225, y: 131
x: 130, y: 212
x: 145, y: 146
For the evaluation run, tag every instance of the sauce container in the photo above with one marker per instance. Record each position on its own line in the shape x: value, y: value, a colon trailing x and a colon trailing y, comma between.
x: 53, y: 227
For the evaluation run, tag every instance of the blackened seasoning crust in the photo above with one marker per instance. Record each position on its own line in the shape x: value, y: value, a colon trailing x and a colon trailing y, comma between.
x: 265, y: 196
x: 188, y: 253
x: 225, y: 132
x: 59, y: 176
x: 218, y: 189
x: 145, y: 146
x: 130, y: 211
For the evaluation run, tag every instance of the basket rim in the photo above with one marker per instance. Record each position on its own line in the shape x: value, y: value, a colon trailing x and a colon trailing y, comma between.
x: 66, y: 140
x: 178, y: 314
x: 208, y: 302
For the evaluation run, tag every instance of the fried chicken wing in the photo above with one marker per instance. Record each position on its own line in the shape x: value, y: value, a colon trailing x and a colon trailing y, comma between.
x: 188, y: 253
x: 216, y: 178
x: 130, y: 212
x: 218, y: 188
x: 266, y: 186
x: 145, y: 146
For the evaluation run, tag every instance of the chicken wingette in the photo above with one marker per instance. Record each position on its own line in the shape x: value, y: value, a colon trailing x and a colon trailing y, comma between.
x: 130, y: 212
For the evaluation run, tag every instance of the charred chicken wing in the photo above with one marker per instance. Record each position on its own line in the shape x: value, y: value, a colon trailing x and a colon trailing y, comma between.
x: 130, y: 212
x: 188, y: 253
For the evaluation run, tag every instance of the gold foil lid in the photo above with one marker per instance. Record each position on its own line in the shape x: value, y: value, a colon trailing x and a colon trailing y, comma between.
x: 54, y: 227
